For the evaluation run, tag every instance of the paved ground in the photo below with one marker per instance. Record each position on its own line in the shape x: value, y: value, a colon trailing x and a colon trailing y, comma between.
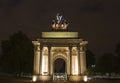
x: 14, y: 80
x: 25, y: 80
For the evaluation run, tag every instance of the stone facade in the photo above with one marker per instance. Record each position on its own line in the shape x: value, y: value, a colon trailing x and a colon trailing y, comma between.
x: 59, y: 44
x: 46, y: 51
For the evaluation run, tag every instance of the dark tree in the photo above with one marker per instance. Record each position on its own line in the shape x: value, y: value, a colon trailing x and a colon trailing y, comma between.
x: 107, y: 63
x: 90, y: 57
x: 118, y: 49
x: 90, y: 60
x: 17, y: 54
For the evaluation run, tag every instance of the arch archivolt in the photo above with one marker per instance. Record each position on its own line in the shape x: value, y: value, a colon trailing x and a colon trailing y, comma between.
x: 63, y: 55
x: 60, y: 55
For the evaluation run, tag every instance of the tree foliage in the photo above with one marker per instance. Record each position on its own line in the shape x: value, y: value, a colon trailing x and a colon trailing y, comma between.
x: 17, y: 54
x: 90, y: 61
x: 90, y: 58
x: 118, y: 49
x: 107, y: 63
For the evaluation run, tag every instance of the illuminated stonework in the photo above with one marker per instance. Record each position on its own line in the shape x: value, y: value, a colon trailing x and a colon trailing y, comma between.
x: 60, y: 34
x: 51, y: 47
x: 59, y: 23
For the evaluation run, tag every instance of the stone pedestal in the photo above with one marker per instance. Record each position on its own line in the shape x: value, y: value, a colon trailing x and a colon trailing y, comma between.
x: 75, y: 78
x: 45, y: 78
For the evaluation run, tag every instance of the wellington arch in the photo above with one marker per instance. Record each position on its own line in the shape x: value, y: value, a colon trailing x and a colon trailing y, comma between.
x: 59, y: 54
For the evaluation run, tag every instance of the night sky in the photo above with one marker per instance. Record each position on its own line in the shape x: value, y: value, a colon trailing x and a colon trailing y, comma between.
x: 97, y: 21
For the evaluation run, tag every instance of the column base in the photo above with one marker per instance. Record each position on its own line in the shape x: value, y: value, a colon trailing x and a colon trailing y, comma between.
x: 45, y: 78
x: 49, y: 78
x: 75, y: 78
x: 41, y: 78
x: 35, y: 78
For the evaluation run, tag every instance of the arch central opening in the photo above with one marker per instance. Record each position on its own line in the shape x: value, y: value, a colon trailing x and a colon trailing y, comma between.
x: 60, y: 69
x: 59, y: 66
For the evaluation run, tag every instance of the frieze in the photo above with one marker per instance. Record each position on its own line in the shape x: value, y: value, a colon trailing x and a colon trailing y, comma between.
x: 60, y: 40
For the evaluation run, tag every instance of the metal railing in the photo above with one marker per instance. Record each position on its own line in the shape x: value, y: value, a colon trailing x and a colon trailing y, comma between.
x: 59, y: 76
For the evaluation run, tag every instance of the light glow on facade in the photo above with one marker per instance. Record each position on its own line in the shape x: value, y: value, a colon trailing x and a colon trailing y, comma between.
x: 74, y: 65
x: 36, y: 62
x: 85, y: 79
x: 60, y: 34
x: 45, y: 61
x: 34, y: 78
x: 74, y: 61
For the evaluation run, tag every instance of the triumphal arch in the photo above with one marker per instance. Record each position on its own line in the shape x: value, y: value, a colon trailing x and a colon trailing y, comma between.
x: 59, y: 54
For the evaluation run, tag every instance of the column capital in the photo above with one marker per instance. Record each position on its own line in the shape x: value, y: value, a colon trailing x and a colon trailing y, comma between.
x: 36, y: 43
x: 70, y: 47
x: 83, y: 43
x: 49, y: 47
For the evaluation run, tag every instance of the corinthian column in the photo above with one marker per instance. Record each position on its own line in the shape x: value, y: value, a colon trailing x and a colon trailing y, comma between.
x: 49, y: 49
x: 36, y: 57
x: 70, y: 54
x: 79, y: 68
x: 83, y: 56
